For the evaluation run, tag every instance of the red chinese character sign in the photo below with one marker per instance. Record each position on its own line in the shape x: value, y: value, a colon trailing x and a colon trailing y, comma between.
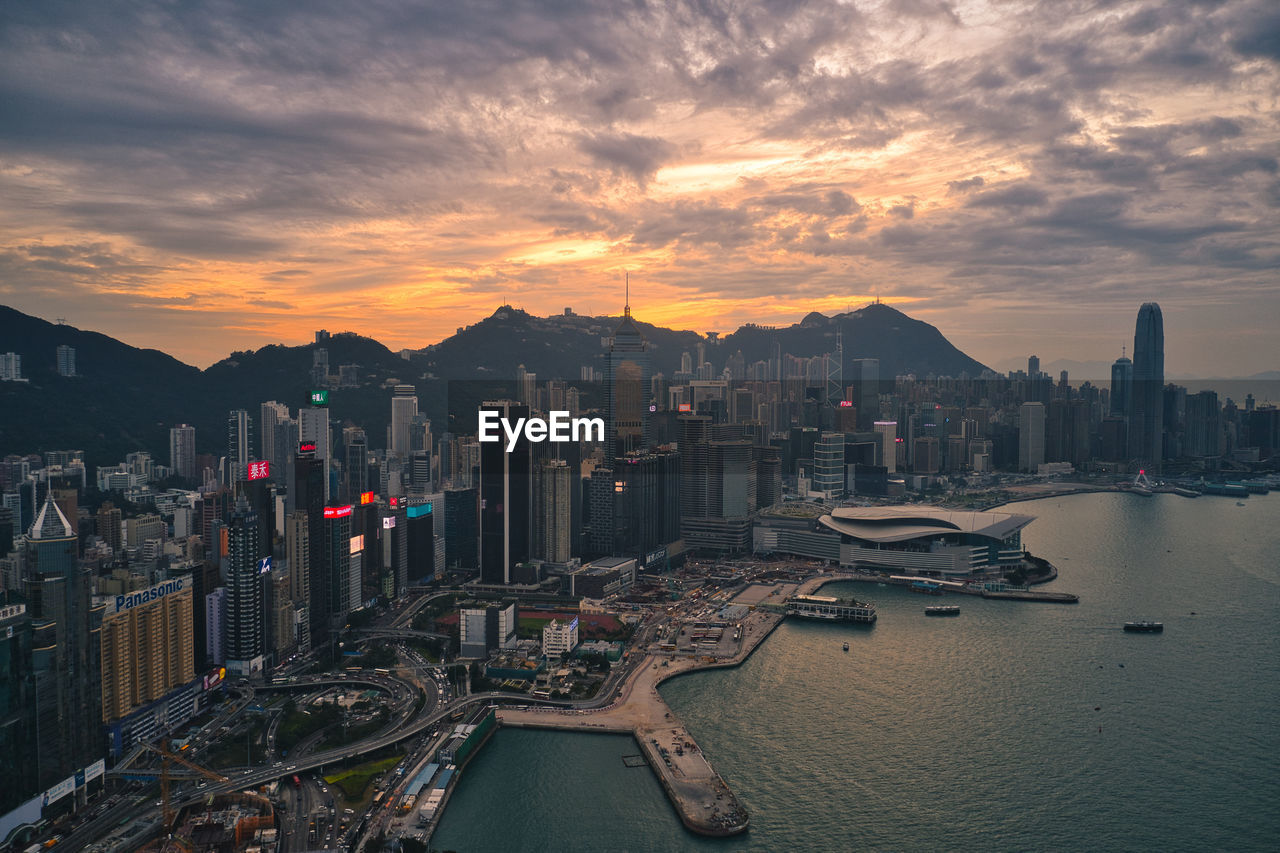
x: 259, y: 470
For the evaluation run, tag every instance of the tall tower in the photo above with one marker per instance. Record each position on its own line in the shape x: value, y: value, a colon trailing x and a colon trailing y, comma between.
x: 626, y: 387
x: 239, y: 443
x: 506, y: 500
x: 1121, y: 387
x: 1031, y: 427
x: 182, y: 451
x: 244, y: 624
x: 404, y: 405
x: 1146, y: 417
x: 59, y: 590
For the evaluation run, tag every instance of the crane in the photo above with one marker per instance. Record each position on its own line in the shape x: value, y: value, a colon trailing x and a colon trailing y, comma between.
x: 168, y: 759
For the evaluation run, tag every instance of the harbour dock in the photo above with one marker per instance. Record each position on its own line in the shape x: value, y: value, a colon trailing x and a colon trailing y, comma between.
x: 699, y: 795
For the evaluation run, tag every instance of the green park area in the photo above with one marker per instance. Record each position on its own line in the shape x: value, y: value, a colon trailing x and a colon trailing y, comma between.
x: 354, y: 781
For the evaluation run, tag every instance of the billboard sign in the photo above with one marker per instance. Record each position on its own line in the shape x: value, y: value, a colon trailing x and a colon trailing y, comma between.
x: 130, y: 600
x: 846, y: 404
x: 320, y: 398
x: 685, y: 407
x: 60, y: 790
x: 259, y: 470
x: 419, y: 510
x: 306, y: 447
x: 367, y: 497
x: 95, y: 770
x: 337, y: 511
x: 357, y: 544
x: 264, y: 566
x: 213, y: 679
x: 388, y: 522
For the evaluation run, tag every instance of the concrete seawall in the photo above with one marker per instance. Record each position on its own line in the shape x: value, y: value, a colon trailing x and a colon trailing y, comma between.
x: 701, y: 798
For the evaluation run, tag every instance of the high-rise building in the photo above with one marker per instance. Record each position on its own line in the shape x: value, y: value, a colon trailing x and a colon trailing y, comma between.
x: 828, y: 465
x: 506, y: 500
x: 404, y: 405
x: 313, y: 430
x: 1146, y: 418
x: 245, y: 647
x: 275, y: 444
x: 865, y: 377
x: 1121, y: 387
x: 148, y: 645
x: 1033, y: 366
x: 239, y: 444
x: 626, y: 387
x: 297, y: 532
x: 355, y: 471
x: 182, y: 451
x: 888, y: 432
x: 59, y: 590
x: 485, y: 629
x: 1031, y: 427
x: 552, y: 504
x: 18, y: 719
x: 11, y: 367
x: 331, y: 597
x: 66, y: 360
x: 215, y: 625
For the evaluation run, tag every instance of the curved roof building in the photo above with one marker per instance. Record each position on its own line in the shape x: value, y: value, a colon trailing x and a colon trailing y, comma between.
x: 909, y: 539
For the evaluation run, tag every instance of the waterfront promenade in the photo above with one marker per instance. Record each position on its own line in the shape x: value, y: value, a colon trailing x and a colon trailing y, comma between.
x: 700, y: 796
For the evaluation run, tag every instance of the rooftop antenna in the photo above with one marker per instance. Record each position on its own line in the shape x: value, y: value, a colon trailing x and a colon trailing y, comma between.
x: 1122, y: 350
x: 62, y: 321
x: 626, y: 310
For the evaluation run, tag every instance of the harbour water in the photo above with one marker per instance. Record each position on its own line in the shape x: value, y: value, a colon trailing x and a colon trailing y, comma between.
x: 1014, y: 726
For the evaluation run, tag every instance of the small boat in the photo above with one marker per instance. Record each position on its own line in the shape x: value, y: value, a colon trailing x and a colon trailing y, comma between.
x: 846, y: 647
x: 1241, y: 503
x: 943, y: 610
x: 1144, y: 627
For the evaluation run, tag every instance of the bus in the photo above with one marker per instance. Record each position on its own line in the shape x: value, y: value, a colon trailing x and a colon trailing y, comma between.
x: 297, y: 783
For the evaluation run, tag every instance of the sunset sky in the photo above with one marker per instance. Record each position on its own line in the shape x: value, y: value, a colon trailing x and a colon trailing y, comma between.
x: 207, y: 177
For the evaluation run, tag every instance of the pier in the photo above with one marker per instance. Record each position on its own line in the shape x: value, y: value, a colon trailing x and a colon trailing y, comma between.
x: 699, y: 795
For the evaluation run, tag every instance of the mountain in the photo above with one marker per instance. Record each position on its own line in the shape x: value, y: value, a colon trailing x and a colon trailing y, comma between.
x: 902, y: 344
x: 127, y: 398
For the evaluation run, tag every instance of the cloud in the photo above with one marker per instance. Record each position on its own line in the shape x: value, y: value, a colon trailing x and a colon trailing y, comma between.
x: 382, y: 165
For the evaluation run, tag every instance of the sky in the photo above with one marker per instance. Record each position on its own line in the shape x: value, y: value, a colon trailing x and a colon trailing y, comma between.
x: 203, y: 178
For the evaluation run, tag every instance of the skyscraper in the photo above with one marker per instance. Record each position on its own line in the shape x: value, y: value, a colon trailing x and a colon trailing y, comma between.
x: 866, y: 384
x: 552, y: 501
x: 506, y: 499
x: 1031, y: 425
x: 1121, y: 387
x: 271, y: 417
x: 244, y: 623
x: 182, y: 451
x: 66, y: 360
x: 1146, y: 418
x: 626, y: 389
x: 239, y: 443
x: 59, y: 590
x: 404, y: 405
x: 313, y: 429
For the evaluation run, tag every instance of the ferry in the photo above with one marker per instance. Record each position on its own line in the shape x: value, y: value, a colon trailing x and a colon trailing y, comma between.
x: 827, y: 607
x: 943, y: 610
x: 1144, y: 627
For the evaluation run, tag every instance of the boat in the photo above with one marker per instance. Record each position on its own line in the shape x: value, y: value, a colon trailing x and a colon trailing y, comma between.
x: 1241, y: 503
x: 926, y: 587
x: 943, y: 610
x: 1139, y: 490
x: 846, y: 647
x: 1144, y: 627
x: 827, y: 607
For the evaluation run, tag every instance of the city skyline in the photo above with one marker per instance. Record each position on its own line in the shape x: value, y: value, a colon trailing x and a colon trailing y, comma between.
x: 1020, y: 176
